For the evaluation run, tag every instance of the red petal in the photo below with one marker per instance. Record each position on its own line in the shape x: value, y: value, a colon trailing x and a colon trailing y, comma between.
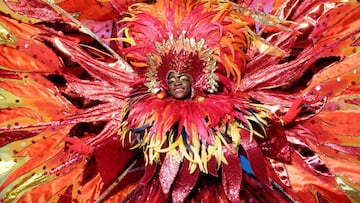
x: 111, y: 159
x: 255, y: 157
x: 150, y: 170
x: 67, y: 196
x: 184, y: 183
x: 212, y: 167
x: 275, y: 145
x: 232, y: 175
x: 168, y: 172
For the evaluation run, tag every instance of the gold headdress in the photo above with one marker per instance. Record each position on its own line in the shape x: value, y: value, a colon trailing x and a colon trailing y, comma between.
x: 198, y: 40
x: 182, y: 55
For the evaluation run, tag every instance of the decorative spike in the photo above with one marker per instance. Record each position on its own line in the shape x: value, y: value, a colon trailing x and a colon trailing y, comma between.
x: 280, y: 171
x: 312, y: 160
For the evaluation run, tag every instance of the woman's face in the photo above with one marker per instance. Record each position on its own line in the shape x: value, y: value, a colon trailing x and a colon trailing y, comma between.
x: 179, y: 85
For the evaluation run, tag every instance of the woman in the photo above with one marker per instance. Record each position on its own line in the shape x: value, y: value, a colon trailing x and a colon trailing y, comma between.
x: 189, y: 135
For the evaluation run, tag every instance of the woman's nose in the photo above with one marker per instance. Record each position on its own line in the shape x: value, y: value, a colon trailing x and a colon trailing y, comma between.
x: 177, y: 81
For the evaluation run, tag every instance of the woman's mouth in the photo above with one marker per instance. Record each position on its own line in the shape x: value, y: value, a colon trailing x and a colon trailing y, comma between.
x: 178, y: 89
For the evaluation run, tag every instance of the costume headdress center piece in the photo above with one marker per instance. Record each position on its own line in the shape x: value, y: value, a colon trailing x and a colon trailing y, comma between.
x: 186, y: 56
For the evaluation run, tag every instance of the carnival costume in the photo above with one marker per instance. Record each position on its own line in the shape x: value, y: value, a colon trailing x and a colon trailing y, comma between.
x: 274, y: 99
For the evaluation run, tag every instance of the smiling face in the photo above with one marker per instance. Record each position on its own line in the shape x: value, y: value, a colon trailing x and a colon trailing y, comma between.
x: 179, y: 85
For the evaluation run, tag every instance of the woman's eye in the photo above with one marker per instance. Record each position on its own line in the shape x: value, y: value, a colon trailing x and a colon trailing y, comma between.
x: 171, y: 80
x: 184, y: 78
